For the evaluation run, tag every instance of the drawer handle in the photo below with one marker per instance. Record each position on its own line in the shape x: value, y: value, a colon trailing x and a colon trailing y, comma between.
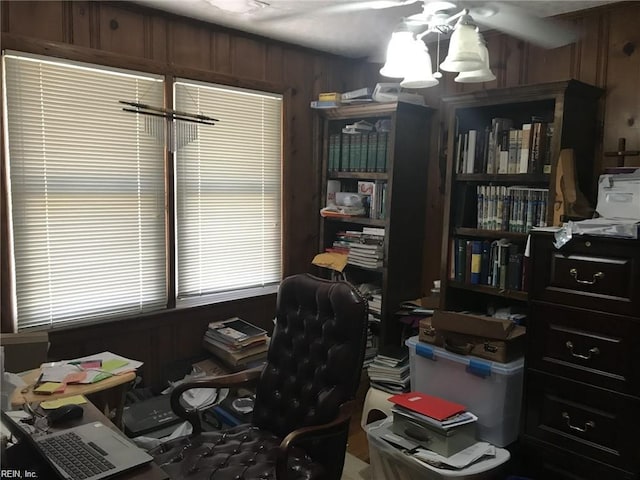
x: 587, y: 425
x: 592, y: 351
x: 596, y: 276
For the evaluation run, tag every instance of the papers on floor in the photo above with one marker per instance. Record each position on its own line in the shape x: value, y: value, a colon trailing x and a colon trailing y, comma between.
x: 89, y: 369
x: 460, y: 460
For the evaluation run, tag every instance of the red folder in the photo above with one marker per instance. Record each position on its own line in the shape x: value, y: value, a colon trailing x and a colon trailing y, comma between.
x: 428, y: 405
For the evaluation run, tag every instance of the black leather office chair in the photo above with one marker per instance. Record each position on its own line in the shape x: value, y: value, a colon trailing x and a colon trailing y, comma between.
x: 304, y: 394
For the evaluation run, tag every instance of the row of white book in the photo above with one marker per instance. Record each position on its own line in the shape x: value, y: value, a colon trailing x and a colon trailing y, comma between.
x: 511, y: 209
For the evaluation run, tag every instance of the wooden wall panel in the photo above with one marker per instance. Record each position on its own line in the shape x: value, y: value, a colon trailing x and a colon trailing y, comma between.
x: 544, y: 65
x: 22, y: 19
x: 81, y: 24
x: 121, y: 31
x: 274, y: 68
x: 190, y: 45
x: 622, y: 115
x: 249, y: 58
x: 221, y: 50
x: 159, y: 41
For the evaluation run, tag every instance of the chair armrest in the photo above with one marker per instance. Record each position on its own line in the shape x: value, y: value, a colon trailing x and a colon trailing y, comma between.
x: 344, y: 414
x: 246, y: 377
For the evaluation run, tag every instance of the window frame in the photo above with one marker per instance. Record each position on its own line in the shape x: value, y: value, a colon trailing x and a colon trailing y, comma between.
x: 170, y: 72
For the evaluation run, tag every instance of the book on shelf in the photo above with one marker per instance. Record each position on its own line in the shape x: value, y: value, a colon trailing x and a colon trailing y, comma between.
x: 358, y: 93
x: 322, y: 104
x: 329, y: 97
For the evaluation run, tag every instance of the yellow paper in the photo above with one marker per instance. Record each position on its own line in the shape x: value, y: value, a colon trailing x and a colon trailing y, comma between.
x: 335, y: 261
x: 49, y: 387
x: 51, y: 404
x: 113, y: 364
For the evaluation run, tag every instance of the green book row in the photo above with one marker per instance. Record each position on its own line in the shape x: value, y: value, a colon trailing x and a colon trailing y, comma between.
x: 359, y: 152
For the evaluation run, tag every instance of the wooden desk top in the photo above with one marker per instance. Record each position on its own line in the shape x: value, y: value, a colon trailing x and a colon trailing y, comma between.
x: 18, y: 398
x: 93, y: 414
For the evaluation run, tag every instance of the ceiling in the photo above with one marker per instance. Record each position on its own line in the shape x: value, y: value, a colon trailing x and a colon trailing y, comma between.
x: 328, y: 25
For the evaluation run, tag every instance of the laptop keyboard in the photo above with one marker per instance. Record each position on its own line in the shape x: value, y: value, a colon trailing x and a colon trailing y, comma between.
x: 75, y: 456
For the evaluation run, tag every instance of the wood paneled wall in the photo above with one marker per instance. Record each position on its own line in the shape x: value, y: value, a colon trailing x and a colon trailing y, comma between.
x: 129, y: 36
x: 125, y: 35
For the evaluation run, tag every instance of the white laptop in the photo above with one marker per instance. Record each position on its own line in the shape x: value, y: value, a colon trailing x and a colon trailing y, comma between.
x: 91, y: 451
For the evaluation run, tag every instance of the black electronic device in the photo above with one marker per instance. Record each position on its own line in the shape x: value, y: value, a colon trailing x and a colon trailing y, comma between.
x: 148, y: 416
x: 64, y: 414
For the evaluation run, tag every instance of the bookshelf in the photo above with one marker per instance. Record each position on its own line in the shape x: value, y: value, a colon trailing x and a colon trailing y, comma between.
x: 399, y: 206
x: 500, y: 184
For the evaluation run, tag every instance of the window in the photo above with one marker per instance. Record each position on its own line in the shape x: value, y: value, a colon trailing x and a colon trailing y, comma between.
x: 87, y: 192
x: 228, y: 193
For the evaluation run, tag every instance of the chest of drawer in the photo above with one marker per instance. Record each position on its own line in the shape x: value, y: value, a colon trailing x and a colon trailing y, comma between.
x: 593, y: 347
x: 589, y: 421
x: 589, y: 272
x: 552, y: 462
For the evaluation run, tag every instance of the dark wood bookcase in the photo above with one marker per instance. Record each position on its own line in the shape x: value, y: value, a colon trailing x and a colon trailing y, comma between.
x: 404, y: 178
x: 569, y: 110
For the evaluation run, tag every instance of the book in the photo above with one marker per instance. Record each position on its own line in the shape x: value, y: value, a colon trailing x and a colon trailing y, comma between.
x: 329, y: 97
x: 320, y: 104
x: 235, y: 331
x: 358, y: 93
x: 236, y: 358
x: 429, y: 405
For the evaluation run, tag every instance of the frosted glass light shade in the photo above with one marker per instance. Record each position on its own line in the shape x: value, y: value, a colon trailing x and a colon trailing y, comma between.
x: 399, y: 55
x: 464, y: 50
x: 420, y: 73
x: 477, y: 76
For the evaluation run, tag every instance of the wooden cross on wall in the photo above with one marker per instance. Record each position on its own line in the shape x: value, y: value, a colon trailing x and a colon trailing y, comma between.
x: 622, y: 153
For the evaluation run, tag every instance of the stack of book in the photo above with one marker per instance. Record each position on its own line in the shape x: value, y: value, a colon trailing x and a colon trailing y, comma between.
x: 389, y: 370
x: 237, y: 343
x: 368, y: 250
x: 434, y: 423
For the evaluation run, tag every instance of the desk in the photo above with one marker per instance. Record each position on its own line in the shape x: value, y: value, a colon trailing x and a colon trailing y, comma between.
x: 25, y: 459
x: 117, y: 385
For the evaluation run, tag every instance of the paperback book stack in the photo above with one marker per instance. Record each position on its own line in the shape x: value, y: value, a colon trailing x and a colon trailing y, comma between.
x: 237, y: 343
x: 368, y: 250
x: 389, y: 370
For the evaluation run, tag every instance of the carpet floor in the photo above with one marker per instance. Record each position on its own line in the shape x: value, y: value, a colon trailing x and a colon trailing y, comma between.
x: 355, y: 469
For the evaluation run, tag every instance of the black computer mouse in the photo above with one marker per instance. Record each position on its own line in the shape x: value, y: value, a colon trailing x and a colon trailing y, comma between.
x: 64, y: 414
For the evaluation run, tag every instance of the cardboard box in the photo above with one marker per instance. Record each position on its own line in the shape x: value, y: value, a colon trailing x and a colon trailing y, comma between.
x: 24, y: 351
x: 472, y: 324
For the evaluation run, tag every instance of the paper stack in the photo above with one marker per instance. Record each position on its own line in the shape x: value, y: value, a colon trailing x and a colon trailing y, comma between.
x: 236, y: 342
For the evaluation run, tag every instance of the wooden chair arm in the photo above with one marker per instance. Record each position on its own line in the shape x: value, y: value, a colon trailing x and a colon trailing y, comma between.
x: 344, y: 414
x: 233, y: 380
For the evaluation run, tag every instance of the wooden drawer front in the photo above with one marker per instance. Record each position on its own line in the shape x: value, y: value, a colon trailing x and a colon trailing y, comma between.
x: 592, y: 347
x: 586, y: 420
x: 552, y: 462
x: 594, y: 274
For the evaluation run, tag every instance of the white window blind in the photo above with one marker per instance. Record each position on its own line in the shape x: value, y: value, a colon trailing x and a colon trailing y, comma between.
x: 228, y: 192
x: 87, y: 192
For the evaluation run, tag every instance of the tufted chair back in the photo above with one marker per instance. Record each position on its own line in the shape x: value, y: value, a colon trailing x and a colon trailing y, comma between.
x: 315, y: 357
x: 304, y: 394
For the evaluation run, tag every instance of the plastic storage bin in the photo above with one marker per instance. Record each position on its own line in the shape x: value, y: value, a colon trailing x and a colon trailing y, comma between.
x: 390, y: 463
x: 490, y: 390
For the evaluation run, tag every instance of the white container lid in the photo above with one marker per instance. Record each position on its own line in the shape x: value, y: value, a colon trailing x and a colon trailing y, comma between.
x: 476, y: 365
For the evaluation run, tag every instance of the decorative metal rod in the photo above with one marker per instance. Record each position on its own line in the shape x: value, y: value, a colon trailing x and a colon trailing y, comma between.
x: 171, y: 113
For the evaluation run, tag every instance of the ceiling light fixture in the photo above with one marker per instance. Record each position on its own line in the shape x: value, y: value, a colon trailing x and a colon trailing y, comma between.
x: 408, y: 57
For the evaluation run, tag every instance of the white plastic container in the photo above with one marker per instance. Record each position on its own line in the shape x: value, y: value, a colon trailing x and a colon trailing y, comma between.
x: 390, y: 463
x: 490, y: 390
